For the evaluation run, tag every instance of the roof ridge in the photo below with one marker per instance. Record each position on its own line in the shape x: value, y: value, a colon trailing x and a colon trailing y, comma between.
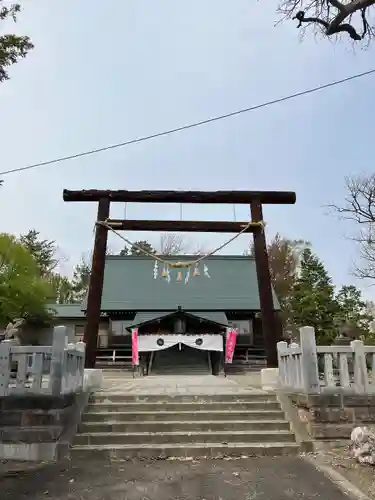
x: 180, y: 256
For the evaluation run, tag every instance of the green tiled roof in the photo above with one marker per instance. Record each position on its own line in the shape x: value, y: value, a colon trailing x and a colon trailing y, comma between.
x: 67, y: 310
x: 146, y: 317
x: 218, y: 317
x: 129, y: 285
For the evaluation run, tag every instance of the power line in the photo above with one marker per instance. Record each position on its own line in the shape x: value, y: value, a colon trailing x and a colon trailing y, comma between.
x: 191, y: 125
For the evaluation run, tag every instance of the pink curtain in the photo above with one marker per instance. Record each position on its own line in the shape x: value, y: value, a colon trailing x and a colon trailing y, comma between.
x: 135, y: 353
x: 230, y: 344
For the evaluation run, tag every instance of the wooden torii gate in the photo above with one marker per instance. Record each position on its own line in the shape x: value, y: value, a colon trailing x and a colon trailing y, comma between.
x: 255, y: 199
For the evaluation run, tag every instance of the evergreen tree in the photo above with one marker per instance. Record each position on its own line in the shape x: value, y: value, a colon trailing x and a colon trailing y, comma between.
x: 80, y: 281
x: 284, y: 256
x: 353, y: 313
x: 313, y: 302
x: 135, y: 251
x: 124, y: 251
x: 43, y: 251
x: 62, y: 289
x: 144, y: 245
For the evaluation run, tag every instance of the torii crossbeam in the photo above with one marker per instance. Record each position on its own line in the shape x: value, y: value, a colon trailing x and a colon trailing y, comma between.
x: 255, y: 199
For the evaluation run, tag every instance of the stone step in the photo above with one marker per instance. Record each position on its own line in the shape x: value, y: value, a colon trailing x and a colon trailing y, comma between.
x: 147, y: 438
x: 240, y: 397
x: 178, y: 407
x: 114, y: 366
x: 175, y: 363
x: 243, y: 369
x: 175, y: 368
x: 180, y: 370
x: 183, y: 426
x: 196, y: 450
x: 195, y: 416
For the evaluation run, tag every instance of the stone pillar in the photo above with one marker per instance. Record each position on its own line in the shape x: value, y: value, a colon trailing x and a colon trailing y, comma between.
x: 309, y: 364
x: 57, y: 359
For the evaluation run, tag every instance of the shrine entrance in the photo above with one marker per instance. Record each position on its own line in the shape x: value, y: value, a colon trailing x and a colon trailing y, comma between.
x: 181, y: 359
x: 179, y: 342
x: 271, y: 330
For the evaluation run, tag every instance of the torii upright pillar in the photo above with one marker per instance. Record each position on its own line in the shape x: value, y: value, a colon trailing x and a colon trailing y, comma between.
x: 94, y: 296
x: 271, y: 329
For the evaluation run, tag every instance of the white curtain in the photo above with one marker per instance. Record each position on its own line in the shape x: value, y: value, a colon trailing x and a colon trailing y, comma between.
x: 205, y: 342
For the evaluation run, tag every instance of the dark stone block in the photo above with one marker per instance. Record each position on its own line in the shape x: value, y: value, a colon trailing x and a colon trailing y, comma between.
x: 323, y: 431
x: 39, y: 417
x: 299, y: 399
x: 334, y: 399
x: 10, y: 418
x: 327, y: 400
x: 359, y: 400
x: 332, y: 415
x: 36, y: 401
x: 361, y: 413
x: 29, y: 435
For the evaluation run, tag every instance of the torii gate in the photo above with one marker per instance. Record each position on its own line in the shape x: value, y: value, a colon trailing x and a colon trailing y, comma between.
x: 270, y: 328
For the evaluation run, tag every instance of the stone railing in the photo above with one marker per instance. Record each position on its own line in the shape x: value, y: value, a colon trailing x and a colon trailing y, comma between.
x: 317, y: 369
x: 56, y: 369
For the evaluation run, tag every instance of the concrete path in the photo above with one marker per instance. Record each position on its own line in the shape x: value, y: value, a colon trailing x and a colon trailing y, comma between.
x: 246, y: 479
x: 177, y: 384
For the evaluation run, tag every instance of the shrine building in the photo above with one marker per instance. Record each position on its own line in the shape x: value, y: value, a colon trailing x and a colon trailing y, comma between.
x: 181, y: 318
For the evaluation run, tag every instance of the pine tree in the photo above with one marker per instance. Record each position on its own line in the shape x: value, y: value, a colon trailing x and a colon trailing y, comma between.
x: 124, y: 251
x: 313, y: 302
x: 81, y: 278
x: 353, y: 313
x: 135, y: 249
x: 144, y: 245
x: 61, y: 289
x: 43, y: 251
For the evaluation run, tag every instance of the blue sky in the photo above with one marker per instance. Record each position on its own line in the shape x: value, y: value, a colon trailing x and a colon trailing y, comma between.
x: 105, y: 72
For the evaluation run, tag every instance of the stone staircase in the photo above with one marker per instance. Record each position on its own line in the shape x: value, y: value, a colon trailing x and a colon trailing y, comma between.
x: 160, y: 426
x: 247, y: 359
x: 181, y: 361
x: 114, y: 358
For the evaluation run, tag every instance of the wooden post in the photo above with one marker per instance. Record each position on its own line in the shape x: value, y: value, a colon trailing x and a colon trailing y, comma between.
x: 94, y: 296
x: 269, y: 327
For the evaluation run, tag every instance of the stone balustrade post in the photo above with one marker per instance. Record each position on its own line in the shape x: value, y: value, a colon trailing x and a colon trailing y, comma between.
x: 309, y: 361
x: 57, y: 359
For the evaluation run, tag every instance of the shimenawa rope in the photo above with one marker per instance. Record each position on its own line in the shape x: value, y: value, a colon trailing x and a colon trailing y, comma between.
x: 186, y: 264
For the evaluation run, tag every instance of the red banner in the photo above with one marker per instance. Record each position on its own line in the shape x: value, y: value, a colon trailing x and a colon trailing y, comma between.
x: 230, y: 344
x: 135, y: 353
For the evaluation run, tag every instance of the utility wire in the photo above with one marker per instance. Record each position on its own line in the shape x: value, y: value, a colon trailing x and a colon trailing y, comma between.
x: 191, y: 125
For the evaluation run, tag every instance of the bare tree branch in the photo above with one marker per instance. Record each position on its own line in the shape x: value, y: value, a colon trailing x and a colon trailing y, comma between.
x: 333, y: 17
x: 359, y: 206
x: 172, y: 244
